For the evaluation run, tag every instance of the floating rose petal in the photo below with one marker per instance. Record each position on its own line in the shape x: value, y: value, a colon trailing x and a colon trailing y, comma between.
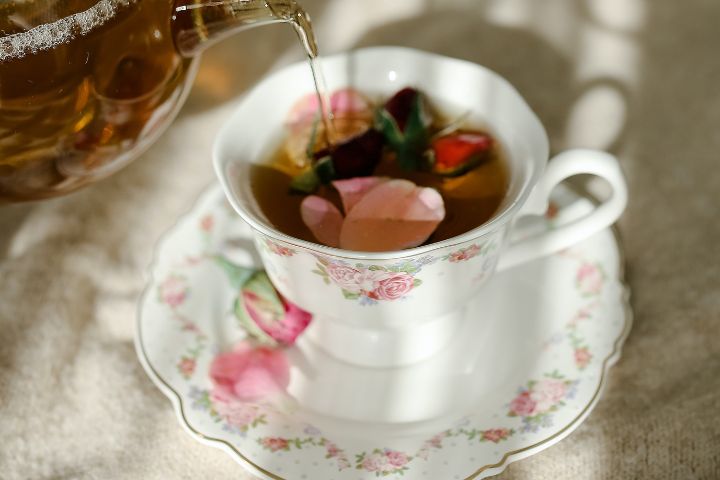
x: 392, y: 216
x: 345, y: 102
x: 354, y: 189
x: 323, y: 219
x: 250, y: 373
x: 349, y: 100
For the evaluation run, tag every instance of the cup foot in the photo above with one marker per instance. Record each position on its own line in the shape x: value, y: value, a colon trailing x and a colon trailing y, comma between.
x: 383, y: 348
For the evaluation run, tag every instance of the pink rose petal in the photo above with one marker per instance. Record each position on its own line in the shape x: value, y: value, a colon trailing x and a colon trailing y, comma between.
x: 343, y: 102
x: 323, y: 219
x: 392, y: 216
x: 304, y: 110
x: 348, y: 100
x: 353, y: 189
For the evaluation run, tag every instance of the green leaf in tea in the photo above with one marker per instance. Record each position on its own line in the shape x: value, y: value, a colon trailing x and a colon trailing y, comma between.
x: 325, y: 170
x: 306, y: 182
x: 404, y: 123
x: 322, y: 172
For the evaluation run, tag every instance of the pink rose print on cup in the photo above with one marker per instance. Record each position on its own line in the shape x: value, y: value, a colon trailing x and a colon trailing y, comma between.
x: 173, y: 291
x: 394, y: 287
x: 589, y: 279
x: 346, y: 277
x: 371, y: 284
x: 277, y: 249
x: 465, y: 254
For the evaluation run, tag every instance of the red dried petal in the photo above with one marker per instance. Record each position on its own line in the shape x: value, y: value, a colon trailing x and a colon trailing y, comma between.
x: 400, y: 105
x: 455, y: 153
x: 356, y: 157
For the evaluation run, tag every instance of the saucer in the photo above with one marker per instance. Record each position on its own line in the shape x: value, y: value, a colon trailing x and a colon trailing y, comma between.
x: 525, y: 370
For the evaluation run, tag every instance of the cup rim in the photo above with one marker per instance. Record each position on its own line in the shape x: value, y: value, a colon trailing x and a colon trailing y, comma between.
x: 500, y: 218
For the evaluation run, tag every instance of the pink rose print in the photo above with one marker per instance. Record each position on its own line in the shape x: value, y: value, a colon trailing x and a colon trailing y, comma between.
x: 374, y: 462
x: 375, y: 284
x: 522, y: 405
x: 345, y: 276
x: 465, y: 254
x: 236, y: 413
x: 396, y: 459
x: 370, y: 284
x: 173, y: 291
x: 332, y: 450
x: 186, y: 366
x: 436, y: 441
x: 496, y: 435
x: 250, y: 373
x: 383, y: 461
x: 393, y: 287
x: 275, y: 444
x: 206, y: 223
x: 582, y: 357
x: 589, y: 279
x: 279, y: 249
x: 536, y: 403
x: 547, y: 392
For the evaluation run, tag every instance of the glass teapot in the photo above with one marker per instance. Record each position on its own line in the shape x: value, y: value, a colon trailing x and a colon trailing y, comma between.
x: 87, y: 85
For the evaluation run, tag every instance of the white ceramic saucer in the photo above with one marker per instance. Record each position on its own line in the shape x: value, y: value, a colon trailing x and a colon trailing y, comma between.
x: 525, y: 371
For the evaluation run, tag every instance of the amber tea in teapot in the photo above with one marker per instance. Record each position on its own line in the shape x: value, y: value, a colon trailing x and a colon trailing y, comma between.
x: 87, y: 85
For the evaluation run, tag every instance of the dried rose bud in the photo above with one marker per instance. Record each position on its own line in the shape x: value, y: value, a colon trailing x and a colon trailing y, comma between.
x: 459, y: 153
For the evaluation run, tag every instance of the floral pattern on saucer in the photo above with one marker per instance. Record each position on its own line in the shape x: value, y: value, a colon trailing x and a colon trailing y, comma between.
x: 177, y: 344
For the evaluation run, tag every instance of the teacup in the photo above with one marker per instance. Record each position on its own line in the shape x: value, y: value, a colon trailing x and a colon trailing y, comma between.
x: 397, y: 308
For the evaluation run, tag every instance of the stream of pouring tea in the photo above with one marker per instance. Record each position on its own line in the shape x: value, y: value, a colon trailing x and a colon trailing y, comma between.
x: 300, y: 20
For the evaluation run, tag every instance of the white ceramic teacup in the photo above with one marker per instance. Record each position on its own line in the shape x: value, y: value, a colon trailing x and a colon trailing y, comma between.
x: 397, y: 308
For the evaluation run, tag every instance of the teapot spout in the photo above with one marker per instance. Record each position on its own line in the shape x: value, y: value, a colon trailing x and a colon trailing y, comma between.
x: 198, y: 24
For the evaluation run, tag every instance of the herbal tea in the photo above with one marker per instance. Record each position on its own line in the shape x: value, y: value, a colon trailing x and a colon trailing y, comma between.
x: 390, y: 175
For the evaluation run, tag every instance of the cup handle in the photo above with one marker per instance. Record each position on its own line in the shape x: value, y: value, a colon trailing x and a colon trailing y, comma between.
x: 563, y: 166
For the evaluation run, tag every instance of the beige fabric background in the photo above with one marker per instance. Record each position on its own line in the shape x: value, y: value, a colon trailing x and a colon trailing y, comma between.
x: 638, y: 77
